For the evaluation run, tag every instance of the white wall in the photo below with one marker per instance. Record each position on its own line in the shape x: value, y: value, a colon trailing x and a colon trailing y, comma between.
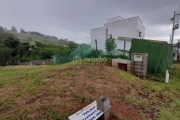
x: 140, y: 27
x: 125, y: 28
x: 100, y: 35
x: 114, y: 19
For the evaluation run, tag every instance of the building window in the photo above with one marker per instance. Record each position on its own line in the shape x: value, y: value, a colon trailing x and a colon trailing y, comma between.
x: 139, y: 34
x: 106, y: 34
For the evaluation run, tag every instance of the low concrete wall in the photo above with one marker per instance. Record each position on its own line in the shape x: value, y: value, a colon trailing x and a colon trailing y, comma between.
x: 48, y: 61
x: 122, y: 61
x: 25, y: 63
x: 37, y: 62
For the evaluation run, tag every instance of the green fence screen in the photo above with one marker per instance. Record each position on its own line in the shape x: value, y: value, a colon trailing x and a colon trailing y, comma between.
x: 160, y: 54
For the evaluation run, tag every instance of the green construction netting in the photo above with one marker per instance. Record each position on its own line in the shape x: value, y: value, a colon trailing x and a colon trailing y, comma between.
x: 160, y: 54
x: 80, y: 52
x: 84, y: 51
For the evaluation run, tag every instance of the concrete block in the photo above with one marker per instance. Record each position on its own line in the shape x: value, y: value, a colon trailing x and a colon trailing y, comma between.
x: 103, y: 104
x: 124, y: 61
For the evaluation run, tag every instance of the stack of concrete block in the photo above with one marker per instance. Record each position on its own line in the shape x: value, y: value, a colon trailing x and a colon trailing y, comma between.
x: 139, y: 68
x: 115, y: 62
x: 129, y: 66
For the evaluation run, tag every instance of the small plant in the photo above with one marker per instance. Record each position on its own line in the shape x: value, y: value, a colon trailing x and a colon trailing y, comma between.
x: 126, y: 75
x: 1, y: 84
x: 39, y: 81
x: 115, y: 95
x: 19, y: 93
x: 73, y: 81
x: 70, y: 74
x: 51, y: 114
x: 33, y: 90
x: 137, y: 102
x: 136, y: 86
x: 91, y: 89
x: 81, y: 97
x: 61, y: 91
x: 91, y: 75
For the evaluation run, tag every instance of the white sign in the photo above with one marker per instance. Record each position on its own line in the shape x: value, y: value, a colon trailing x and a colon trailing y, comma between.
x: 138, y: 58
x: 90, y: 112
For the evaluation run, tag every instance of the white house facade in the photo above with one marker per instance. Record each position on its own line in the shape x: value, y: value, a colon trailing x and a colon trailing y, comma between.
x: 118, y: 27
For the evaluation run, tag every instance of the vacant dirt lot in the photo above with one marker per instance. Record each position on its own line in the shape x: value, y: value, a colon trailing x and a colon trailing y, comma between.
x: 56, y: 92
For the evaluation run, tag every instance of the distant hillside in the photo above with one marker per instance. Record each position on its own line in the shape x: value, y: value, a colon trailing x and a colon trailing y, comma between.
x: 33, y: 36
x: 27, y: 37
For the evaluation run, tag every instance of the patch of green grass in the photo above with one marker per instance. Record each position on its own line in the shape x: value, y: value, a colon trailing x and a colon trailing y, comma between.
x: 51, y: 114
x: 137, y: 101
x: 91, y: 75
x: 33, y: 90
x: 115, y: 95
x: 70, y: 73
x: 91, y: 89
x: 2, y: 84
x: 61, y: 92
x: 81, y: 98
x: 170, y: 111
x: 126, y: 75
x: 136, y: 86
x: 6, y: 102
x: 47, y: 75
x: 19, y: 93
x: 39, y: 81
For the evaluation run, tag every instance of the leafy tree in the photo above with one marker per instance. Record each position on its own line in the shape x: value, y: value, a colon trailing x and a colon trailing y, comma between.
x: 22, y: 31
x: 30, y: 39
x: 1, y: 29
x: 46, y: 53
x: 4, y: 36
x: 5, y: 55
x: 39, y: 44
x: 110, y: 44
x: 94, y: 54
x: 13, y: 29
x: 11, y: 42
x: 72, y: 45
x: 23, y: 49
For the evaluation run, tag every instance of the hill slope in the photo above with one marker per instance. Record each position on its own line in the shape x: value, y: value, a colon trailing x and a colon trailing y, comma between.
x: 55, y: 92
x: 24, y: 37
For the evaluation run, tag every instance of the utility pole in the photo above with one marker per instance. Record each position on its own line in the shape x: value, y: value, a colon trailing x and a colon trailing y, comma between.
x: 173, y: 27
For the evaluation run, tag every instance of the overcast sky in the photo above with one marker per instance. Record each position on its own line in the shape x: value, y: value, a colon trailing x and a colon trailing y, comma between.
x: 73, y: 19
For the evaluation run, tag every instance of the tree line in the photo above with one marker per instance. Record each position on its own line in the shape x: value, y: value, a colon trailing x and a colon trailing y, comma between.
x: 12, y: 51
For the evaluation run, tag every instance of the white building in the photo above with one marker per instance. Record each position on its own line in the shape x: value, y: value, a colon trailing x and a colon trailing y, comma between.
x: 118, y: 27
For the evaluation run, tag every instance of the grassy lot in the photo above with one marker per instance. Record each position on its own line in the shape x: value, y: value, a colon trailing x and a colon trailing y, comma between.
x: 57, y: 91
